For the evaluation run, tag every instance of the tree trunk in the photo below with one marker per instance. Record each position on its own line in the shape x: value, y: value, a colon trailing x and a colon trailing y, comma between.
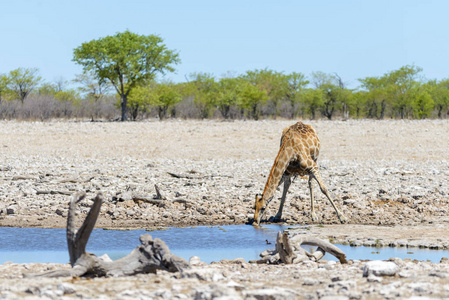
x: 383, y: 106
x: 439, y: 109
x: 124, y: 106
x: 224, y: 110
x: 162, y: 112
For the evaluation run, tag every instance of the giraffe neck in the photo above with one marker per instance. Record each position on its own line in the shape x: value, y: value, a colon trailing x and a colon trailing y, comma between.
x: 277, y: 170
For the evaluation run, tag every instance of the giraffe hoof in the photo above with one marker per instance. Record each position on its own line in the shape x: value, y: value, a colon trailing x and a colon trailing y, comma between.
x: 315, y: 218
x: 343, y: 219
x: 277, y: 218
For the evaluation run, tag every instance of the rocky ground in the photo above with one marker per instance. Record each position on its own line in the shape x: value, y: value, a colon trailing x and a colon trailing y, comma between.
x: 240, y: 280
x: 390, y: 179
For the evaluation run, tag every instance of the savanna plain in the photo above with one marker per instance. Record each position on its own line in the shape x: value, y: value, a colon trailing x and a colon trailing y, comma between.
x: 388, y: 177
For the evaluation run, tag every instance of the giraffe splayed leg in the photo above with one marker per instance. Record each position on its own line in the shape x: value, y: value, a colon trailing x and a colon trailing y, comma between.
x: 297, y: 156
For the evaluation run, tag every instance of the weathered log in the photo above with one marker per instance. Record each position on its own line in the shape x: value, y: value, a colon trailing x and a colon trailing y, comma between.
x: 325, y: 246
x: 150, y: 256
x: 289, y: 251
x: 284, y: 248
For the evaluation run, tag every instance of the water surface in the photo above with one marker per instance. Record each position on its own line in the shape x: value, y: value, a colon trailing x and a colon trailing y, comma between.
x: 210, y: 243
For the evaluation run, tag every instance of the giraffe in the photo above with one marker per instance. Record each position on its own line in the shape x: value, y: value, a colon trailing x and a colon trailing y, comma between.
x: 297, y: 156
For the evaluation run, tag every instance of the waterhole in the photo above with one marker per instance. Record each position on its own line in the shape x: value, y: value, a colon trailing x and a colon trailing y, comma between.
x: 210, y: 243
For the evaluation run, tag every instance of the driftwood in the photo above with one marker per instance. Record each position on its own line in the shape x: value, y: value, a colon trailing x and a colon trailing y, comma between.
x: 159, y: 200
x: 150, y: 256
x: 289, y: 251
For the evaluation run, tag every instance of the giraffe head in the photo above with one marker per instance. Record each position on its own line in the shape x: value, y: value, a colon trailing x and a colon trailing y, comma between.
x: 259, y: 207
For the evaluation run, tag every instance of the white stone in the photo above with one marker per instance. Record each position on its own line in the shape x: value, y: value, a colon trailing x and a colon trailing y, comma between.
x: 380, y: 268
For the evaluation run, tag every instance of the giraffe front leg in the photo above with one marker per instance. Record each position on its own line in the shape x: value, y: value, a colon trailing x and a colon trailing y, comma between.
x: 287, y: 181
x: 312, y: 206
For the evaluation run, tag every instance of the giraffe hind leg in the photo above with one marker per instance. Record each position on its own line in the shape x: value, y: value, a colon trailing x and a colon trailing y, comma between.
x: 312, y: 206
x: 316, y: 174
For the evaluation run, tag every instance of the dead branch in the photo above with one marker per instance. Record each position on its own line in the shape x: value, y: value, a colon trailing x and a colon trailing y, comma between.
x: 158, y: 193
x: 289, y: 251
x: 184, y: 176
x: 53, y: 192
x: 196, y: 177
x: 24, y: 177
x: 150, y: 256
x: 159, y: 200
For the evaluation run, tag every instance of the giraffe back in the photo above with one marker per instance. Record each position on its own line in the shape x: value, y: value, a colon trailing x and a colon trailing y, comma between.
x: 304, y: 138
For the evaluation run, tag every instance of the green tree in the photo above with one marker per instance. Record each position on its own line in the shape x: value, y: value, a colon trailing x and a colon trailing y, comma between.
x: 126, y: 60
x: 165, y: 96
x: 423, y: 104
x: 139, y: 100
x: 402, y: 83
x: 162, y: 96
x: 228, y: 95
x: 439, y: 91
x: 376, y: 98
x: 4, y: 90
x: 296, y: 82
x: 250, y: 98
x: 68, y: 95
x: 313, y: 100
x: 275, y: 84
x: 345, y: 99
x: 327, y: 84
x: 47, y: 89
x: 94, y: 87
x: 204, y: 90
x: 69, y: 98
x: 359, y: 100
x: 23, y: 81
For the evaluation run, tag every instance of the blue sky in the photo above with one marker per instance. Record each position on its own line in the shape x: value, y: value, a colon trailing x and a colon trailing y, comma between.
x: 354, y: 39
